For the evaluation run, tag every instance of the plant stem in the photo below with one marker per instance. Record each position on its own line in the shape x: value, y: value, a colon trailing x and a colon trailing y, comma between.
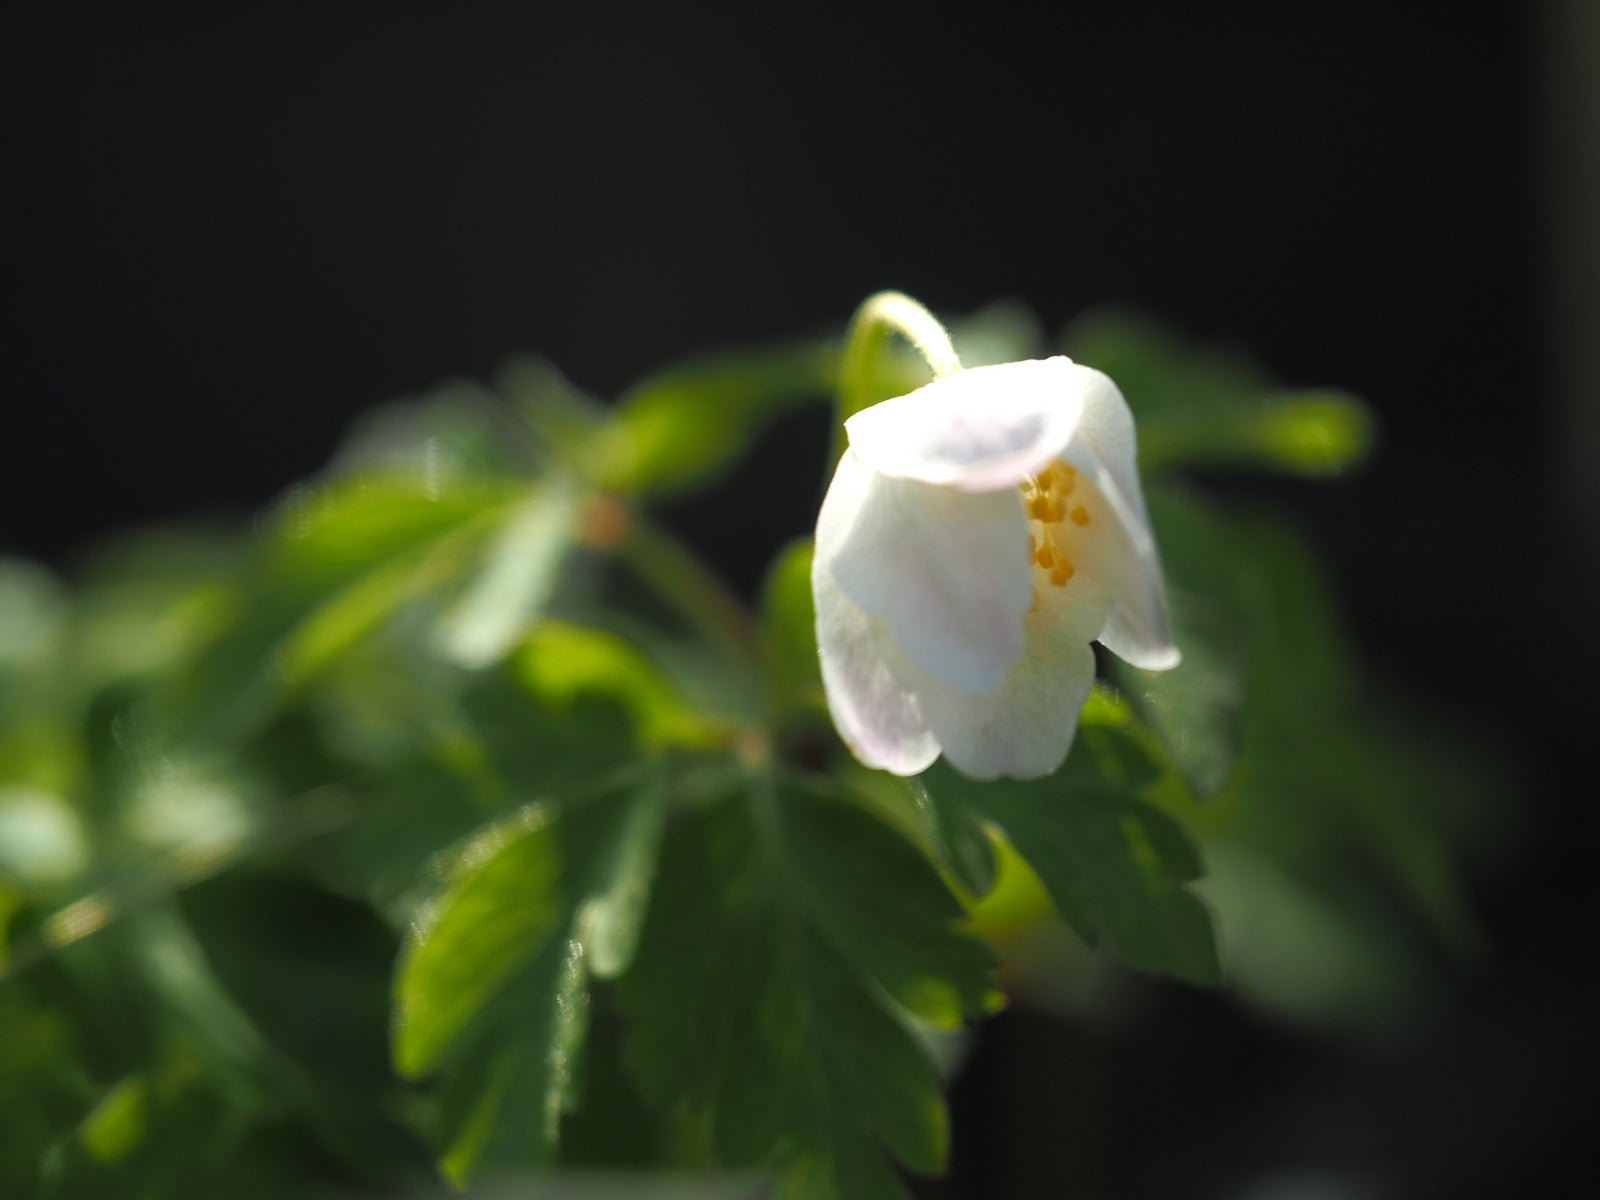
x: 879, y: 317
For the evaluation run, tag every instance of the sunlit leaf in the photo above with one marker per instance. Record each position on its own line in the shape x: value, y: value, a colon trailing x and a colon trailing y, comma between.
x: 492, y: 988
x: 117, y: 1124
x: 499, y: 912
x: 514, y: 580
x: 336, y: 563
x: 561, y: 663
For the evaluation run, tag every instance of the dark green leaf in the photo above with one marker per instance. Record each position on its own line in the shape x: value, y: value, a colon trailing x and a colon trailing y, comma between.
x: 1274, y: 676
x: 1114, y: 865
x: 957, y: 836
x: 784, y: 923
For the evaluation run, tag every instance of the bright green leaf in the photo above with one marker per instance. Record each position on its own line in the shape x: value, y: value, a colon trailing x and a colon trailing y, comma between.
x: 561, y: 663
x: 491, y: 993
x: 500, y: 910
x: 116, y: 1125
x: 518, y: 573
x: 336, y: 564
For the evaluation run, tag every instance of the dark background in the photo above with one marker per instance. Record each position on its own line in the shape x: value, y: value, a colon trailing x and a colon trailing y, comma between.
x: 229, y: 228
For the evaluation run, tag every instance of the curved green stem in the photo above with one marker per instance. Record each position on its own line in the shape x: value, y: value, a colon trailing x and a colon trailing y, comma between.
x: 880, y: 317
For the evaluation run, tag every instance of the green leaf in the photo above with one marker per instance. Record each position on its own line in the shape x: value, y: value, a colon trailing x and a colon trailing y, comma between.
x: 788, y: 625
x: 492, y: 988
x: 958, y: 837
x: 1114, y: 865
x: 1325, y: 782
x: 684, y: 424
x: 116, y: 1125
x: 561, y: 664
x: 515, y: 579
x: 1198, y: 406
x: 336, y: 564
x: 787, y: 931
x: 499, y: 912
x: 401, y: 554
x: 1195, y: 708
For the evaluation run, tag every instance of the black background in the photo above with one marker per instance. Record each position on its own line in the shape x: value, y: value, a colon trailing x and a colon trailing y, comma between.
x: 229, y: 228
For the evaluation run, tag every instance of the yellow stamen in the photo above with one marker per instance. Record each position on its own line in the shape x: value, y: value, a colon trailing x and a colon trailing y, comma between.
x: 1080, y: 515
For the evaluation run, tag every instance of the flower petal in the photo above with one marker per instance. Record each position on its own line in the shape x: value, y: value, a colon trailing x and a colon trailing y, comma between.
x: 1107, y: 428
x: 1122, y: 554
x: 875, y: 714
x: 1024, y: 725
x: 980, y: 430
x: 877, y: 717
x: 948, y: 571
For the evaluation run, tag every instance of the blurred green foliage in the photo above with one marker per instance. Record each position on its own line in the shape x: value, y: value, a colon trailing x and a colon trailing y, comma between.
x: 453, y: 821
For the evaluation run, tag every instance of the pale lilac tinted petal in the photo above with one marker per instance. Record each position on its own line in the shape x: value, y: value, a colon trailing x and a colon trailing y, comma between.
x: 1023, y: 726
x: 948, y: 571
x: 873, y: 712
x: 878, y: 718
x: 981, y: 430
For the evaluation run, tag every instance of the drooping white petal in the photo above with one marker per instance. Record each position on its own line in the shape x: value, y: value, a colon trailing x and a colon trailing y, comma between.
x: 876, y: 715
x: 1023, y: 726
x: 1118, y: 550
x: 980, y: 430
x: 948, y: 571
x: 1122, y: 551
x: 873, y: 711
x: 1107, y: 428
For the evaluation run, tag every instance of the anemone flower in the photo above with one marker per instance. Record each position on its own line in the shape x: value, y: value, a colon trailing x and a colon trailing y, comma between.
x: 978, y: 534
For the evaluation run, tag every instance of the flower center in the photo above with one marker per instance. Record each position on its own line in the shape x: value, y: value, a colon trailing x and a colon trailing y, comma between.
x: 1054, y: 515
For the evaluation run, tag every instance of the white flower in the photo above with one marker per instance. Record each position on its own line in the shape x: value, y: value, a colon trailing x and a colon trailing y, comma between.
x: 979, y: 533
